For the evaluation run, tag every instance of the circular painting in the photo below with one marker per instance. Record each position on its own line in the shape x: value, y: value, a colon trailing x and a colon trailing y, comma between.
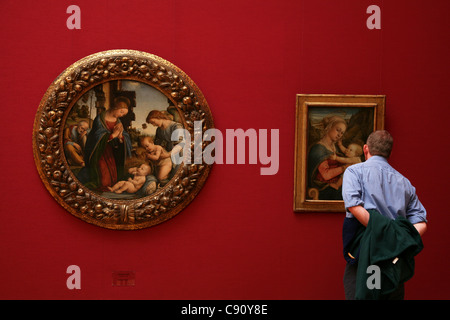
x: 112, y: 139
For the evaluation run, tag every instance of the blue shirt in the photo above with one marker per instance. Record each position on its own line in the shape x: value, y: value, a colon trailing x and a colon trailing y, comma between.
x: 374, y: 184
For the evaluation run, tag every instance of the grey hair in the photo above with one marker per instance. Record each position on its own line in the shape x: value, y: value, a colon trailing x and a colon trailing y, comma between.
x: 380, y: 143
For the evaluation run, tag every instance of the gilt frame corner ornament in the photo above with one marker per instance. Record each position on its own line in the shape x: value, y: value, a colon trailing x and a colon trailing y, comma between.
x: 102, y: 139
x: 330, y: 131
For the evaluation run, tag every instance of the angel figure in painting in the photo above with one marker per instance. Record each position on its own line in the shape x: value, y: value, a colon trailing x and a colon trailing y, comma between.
x: 166, y: 126
x: 160, y: 157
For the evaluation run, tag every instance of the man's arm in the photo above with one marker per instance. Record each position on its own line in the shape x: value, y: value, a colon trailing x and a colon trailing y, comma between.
x: 416, y: 213
x: 421, y: 227
x: 361, y: 214
x: 363, y: 217
x: 352, y: 196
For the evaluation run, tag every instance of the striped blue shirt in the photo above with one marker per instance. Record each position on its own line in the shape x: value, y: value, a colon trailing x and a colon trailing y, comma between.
x: 374, y: 184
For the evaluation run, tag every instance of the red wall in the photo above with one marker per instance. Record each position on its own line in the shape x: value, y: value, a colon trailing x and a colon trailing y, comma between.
x: 239, y: 238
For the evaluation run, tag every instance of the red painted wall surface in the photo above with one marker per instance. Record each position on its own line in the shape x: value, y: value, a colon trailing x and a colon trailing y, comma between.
x: 239, y: 238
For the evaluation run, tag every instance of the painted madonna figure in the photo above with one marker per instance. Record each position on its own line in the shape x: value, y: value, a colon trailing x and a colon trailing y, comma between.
x: 324, y: 170
x: 107, y: 147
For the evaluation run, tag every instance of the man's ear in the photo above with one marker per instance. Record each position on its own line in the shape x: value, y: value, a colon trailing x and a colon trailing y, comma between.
x: 367, y: 154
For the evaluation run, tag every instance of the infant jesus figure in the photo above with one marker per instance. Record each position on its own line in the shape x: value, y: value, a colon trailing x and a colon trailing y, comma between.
x: 132, y: 185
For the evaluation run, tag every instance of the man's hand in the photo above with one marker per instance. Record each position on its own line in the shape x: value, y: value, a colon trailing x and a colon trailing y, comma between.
x: 421, y: 227
x: 361, y: 214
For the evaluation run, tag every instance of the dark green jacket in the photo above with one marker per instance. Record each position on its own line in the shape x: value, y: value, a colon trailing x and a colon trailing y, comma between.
x: 380, y: 244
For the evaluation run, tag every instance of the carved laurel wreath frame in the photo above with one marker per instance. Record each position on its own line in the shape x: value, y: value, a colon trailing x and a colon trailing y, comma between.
x: 53, y: 167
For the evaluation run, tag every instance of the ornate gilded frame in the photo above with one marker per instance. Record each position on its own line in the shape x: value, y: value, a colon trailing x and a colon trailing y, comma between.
x: 52, y: 164
x: 311, y: 110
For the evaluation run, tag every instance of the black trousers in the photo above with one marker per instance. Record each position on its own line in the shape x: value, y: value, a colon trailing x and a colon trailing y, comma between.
x: 350, y: 285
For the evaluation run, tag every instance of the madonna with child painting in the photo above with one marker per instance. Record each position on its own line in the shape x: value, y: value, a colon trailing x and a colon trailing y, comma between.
x: 126, y: 149
x: 335, y: 141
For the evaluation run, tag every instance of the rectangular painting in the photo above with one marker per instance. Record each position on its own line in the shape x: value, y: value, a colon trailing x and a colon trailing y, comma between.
x: 330, y: 133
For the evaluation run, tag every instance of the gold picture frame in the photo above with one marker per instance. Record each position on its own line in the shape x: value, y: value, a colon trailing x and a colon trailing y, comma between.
x: 330, y: 131
x: 106, y: 121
